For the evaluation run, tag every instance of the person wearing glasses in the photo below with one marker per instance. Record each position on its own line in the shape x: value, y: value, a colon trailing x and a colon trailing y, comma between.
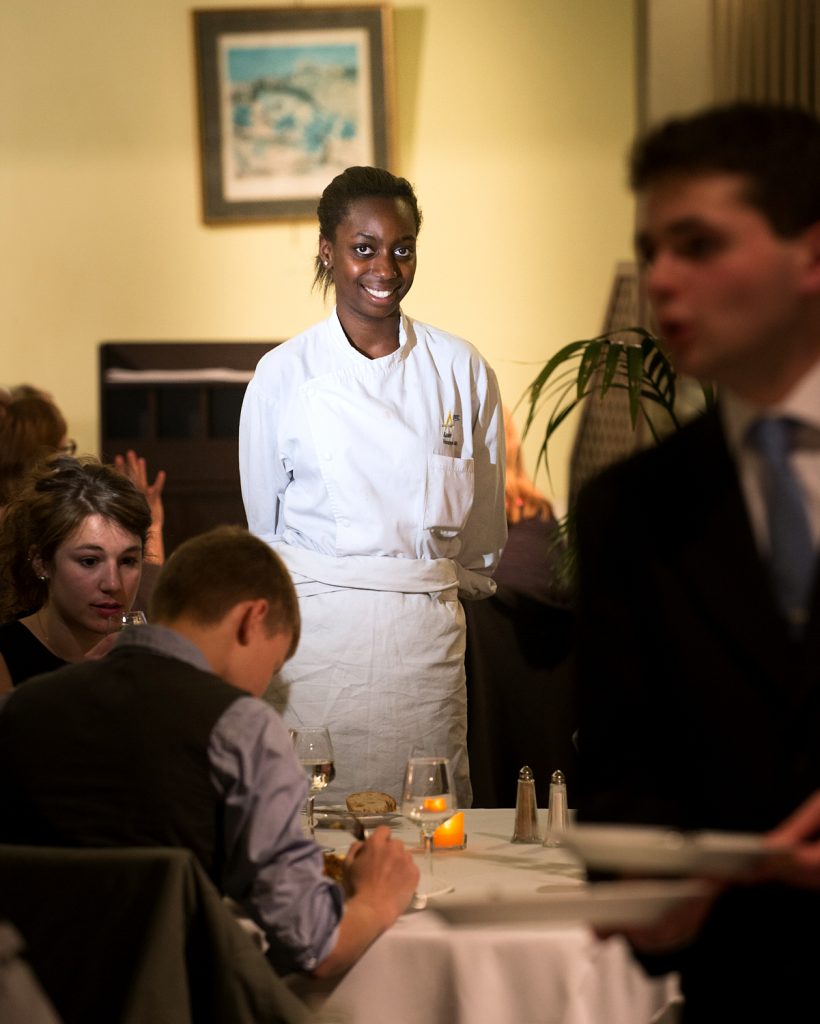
x: 31, y: 428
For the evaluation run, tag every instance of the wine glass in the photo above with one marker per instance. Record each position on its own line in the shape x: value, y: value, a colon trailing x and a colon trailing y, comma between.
x: 427, y: 798
x: 119, y: 622
x: 315, y: 752
x: 134, y: 618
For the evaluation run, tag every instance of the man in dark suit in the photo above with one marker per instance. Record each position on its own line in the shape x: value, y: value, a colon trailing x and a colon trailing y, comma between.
x: 699, y: 614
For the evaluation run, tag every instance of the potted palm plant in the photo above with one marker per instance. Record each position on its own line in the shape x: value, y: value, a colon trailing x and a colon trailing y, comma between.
x: 630, y: 359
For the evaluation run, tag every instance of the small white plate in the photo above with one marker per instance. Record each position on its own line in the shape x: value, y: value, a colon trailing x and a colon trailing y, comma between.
x: 599, y: 904
x: 328, y: 816
x: 662, y: 851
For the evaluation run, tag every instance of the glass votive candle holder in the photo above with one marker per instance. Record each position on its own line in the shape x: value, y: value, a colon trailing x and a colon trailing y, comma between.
x: 450, y: 834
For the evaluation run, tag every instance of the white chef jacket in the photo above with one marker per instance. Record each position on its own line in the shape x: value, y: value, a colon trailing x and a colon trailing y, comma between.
x: 381, y: 475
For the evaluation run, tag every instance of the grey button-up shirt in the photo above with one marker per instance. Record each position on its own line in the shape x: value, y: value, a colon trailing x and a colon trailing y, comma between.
x: 271, y: 870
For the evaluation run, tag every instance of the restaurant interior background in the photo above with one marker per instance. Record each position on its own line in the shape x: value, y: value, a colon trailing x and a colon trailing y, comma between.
x: 512, y: 119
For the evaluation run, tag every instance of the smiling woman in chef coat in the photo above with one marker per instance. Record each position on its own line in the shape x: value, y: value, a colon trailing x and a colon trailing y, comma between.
x: 371, y: 456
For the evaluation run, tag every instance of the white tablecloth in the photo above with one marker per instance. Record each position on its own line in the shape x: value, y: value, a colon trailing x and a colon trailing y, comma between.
x: 424, y: 971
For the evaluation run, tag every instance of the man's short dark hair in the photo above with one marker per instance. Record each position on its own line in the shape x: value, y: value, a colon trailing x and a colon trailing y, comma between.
x: 775, y: 148
x: 209, y: 574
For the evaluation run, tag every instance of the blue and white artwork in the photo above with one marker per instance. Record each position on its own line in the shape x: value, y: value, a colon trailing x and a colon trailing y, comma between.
x: 295, y: 111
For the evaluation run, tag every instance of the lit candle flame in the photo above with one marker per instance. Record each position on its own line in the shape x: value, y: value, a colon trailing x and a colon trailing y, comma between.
x: 450, y: 833
x: 435, y: 803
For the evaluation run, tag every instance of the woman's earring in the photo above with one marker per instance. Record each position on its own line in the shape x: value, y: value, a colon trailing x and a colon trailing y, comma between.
x: 39, y: 577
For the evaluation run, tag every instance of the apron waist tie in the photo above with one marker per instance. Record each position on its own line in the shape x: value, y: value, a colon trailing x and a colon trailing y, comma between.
x: 370, y: 572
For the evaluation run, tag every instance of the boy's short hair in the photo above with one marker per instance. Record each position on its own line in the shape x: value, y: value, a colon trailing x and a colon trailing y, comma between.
x: 210, y: 573
x: 775, y: 148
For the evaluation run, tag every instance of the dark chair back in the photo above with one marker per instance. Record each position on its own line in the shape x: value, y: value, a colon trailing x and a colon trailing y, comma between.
x: 137, y: 936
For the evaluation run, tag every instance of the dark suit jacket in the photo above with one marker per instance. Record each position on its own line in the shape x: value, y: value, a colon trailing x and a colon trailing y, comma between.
x: 698, y: 708
x: 137, y: 936
x: 520, y: 708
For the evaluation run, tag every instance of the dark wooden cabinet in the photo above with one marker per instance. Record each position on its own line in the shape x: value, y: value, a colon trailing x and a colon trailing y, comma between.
x: 177, y: 404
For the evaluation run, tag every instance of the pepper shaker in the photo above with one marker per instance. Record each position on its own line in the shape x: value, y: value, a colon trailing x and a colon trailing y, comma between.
x: 557, y: 813
x: 526, y: 809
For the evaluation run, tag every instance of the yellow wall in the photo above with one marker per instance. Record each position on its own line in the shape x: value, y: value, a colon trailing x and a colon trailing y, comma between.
x: 512, y: 121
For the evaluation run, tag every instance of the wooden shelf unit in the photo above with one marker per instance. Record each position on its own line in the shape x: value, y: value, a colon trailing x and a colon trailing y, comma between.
x: 177, y: 404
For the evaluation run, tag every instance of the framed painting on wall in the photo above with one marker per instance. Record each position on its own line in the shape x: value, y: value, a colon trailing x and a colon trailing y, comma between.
x: 288, y: 98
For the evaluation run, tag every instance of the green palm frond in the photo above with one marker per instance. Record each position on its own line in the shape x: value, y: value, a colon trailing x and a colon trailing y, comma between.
x: 584, y: 369
x: 641, y: 367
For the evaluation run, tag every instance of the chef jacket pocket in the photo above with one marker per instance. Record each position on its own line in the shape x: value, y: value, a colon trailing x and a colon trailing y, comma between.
x: 449, y: 494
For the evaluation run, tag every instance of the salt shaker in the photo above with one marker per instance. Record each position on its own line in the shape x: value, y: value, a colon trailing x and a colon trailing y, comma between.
x: 557, y: 813
x: 526, y: 809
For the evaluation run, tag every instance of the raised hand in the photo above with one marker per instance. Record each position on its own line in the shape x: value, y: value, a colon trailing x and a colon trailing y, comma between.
x: 133, y: 466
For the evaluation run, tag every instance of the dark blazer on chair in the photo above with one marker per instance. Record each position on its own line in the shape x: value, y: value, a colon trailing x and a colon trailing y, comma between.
x: 137, y: 936
x: 698, y: 707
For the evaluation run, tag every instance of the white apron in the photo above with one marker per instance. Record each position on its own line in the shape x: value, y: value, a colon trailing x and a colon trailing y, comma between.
x: 381, y: 663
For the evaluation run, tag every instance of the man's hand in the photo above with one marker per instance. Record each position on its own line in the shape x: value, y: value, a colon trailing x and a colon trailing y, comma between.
x: 675, y: 929
x: 383, y: 878
x: 801, y: 831
x: 382, y: 872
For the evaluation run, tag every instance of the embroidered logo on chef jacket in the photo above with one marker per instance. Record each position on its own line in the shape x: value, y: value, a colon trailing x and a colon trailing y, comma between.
x: 447, y: 428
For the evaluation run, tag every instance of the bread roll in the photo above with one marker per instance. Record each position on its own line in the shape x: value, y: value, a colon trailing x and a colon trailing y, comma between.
x: 370, y: 801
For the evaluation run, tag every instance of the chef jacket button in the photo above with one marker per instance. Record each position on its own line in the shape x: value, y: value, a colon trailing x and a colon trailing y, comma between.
x: 327, y: 456
x: 344, y: 522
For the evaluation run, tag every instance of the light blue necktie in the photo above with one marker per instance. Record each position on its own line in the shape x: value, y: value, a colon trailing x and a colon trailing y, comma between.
x: 792, y: 553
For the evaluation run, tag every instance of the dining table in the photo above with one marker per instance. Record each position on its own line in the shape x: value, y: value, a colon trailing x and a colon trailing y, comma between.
x: 426, y: 970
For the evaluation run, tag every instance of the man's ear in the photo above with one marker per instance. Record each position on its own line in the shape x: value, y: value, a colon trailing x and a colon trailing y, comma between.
x: 252, y: 617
